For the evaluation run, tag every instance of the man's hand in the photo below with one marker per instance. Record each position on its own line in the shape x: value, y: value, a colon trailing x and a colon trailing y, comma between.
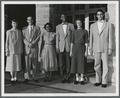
x: 58, y: 51
x: 70, y: 53
x: 109, y: 51
x: 30, y: 45
x: 7, y: 53
x: 39, y: 59
x: 91, y: 52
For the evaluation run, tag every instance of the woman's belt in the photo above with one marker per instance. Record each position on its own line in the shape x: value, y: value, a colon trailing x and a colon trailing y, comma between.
x: 49, y: 44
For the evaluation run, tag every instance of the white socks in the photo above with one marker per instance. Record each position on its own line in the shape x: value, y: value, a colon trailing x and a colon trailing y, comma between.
x: 14, y: 79
x: 79, y: 77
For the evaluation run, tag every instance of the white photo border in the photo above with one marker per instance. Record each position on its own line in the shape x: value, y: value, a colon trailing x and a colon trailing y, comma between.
x: 59, y: 2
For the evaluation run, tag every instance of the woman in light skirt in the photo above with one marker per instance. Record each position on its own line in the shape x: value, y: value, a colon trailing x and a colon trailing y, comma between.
x: 13, y: 50
x: 48, y: 53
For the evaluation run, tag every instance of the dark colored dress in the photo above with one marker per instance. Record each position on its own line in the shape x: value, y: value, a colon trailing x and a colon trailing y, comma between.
x: 79, y: 38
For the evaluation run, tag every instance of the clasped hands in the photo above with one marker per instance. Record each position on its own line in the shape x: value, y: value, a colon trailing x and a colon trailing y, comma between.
x: 30, y: 45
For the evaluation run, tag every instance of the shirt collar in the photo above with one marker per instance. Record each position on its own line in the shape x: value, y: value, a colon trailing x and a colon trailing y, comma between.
x: 30, y: 26
x: 101, y: 21
x: 64, y: 23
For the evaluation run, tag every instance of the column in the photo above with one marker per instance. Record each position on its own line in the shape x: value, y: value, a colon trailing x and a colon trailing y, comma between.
x: 86, y: 17
x: 42, y: 14
x: 112, y: 61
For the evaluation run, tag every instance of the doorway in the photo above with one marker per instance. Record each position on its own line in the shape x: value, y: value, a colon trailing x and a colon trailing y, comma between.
x: 20, y: 13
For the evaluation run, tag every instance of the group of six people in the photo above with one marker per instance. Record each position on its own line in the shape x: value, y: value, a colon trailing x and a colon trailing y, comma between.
x: 69, y: 42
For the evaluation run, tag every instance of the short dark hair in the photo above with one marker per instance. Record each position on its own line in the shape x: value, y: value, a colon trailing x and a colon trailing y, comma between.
x: 14, y: 20
x: 100, y: 10
x: 48, y: 24
x: 64, y: 15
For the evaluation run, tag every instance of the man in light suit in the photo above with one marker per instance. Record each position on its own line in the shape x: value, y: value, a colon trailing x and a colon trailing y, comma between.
x: 63, y: 46
x: 101, y: 44
x: 31, y: 35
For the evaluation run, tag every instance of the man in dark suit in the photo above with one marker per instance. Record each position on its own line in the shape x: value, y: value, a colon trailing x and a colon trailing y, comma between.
x: 31, y: 35
x: 63, y: 46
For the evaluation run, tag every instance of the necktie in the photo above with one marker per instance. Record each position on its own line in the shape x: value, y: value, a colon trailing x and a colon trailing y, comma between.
x: 30, y: 33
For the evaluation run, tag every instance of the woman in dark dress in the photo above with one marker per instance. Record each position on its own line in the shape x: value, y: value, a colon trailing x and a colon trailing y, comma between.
x: 78, y: 52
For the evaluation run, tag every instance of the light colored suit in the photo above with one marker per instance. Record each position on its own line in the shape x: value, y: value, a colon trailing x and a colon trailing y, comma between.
x: 63, y: 45
x: 31, y: 53
x: 100, y: 43
x: 63, y: 41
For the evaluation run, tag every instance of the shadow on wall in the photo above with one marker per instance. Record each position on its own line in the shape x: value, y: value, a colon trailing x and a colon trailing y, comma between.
x: 111, y: 59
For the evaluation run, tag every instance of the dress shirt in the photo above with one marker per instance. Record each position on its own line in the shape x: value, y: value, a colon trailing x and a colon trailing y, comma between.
x: 64, y: 28
x: 30, y: 29
x: 100, y: 24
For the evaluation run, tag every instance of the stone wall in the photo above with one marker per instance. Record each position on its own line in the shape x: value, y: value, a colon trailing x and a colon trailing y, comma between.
x: 112, y: 60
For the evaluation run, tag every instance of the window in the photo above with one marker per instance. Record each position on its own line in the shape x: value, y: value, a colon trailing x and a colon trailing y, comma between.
x: 66, y: 7
x: 69, y: 19
x: 91, y: 6
x: 80, y: 7
x: 92, y: 18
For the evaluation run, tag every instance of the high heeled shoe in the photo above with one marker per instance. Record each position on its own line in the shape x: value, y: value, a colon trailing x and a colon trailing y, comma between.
x: 76, y: 82
x: 82, y: 82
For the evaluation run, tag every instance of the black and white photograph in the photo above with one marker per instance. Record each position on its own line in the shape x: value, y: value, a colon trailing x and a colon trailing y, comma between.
x: 60, y: 48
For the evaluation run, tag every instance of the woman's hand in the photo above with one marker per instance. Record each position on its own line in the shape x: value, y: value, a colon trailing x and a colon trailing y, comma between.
x: 39, y: 59
x: 91, y: 52
x: 70, y: 53
x: 86, y: 54
x: 110, y: 52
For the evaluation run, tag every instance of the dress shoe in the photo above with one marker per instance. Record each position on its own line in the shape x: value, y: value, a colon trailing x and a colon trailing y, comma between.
x: 97, y: 84
x: 104, y: 85
x: 76, y: 82
x: 45, y: 80
x: 64, y: 81
x: 69, y: 81
x: 26, y: 80
x: 82, y: 82
x: 12, y: 82
x: 35, y: 80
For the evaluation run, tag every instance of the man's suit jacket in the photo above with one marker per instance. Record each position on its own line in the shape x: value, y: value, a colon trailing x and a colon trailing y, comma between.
x: 32, y: 38
x: 14, y: 42
x: 63, y: 41
x: 101, y: 42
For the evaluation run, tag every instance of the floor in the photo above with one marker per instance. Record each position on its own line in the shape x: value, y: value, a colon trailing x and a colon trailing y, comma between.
x: 55, y: 87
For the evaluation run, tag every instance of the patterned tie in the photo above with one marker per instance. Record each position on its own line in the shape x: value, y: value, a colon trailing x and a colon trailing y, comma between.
x: 30, y: 33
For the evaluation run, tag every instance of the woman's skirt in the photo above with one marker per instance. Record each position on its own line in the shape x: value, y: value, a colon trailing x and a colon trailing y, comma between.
x: 78, y: 59
x: 49, y: 59
x: 13, y: 62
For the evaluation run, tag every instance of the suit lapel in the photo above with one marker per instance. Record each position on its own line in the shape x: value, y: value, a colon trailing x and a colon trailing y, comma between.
x: 27, y: 31
x: 104, y: 24
x: 96, y: 27
x: 33, y: 31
